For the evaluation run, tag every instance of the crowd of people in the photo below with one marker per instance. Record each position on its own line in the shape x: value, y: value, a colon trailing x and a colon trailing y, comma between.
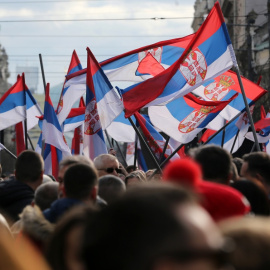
x: 208, y: 211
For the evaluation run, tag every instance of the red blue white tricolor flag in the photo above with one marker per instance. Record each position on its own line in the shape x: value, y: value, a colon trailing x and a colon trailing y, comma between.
x: 154, y: 139
x: 77, y: 141
x: 142, y: 63
x: 121, y: 130
x: 183, y: 118
x: 109, y: 104
x: 234, y: 133
x: 224, y: 87
x: 51, y: 129
x: 69, y: 95
x: 18, y: 104
x: 208, y: 55
x: 93, y: 142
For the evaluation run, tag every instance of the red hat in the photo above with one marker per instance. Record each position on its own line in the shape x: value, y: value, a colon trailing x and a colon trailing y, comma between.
x: 219, y: 200
x: 222, y: 201
x: 183, y: 171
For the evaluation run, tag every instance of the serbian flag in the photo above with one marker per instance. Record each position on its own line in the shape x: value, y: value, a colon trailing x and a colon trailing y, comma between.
x: 224, y: 87
x: 51, y: 129
x: 121, y: 130
x: 18, y: 104
x: 77, y: 141
x: 183, y: 118
x: 52, y: 157
x: 154, y: 139
x: 93, y: 141
x: 109, y: 105
x: 69, y: 95
x: 234, y: 133
x: 263, y: 129
x: 142, y: 63
x: 208, y: 55
x: 74, y: 119
x: 20, y: 140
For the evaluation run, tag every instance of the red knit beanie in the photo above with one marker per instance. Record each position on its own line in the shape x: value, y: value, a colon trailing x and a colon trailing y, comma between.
x: 219, y: 200
x: 184, y: 172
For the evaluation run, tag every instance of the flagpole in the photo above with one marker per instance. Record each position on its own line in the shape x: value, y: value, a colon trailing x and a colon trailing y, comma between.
x: 164, y: 149
x: 1, y: 140
x: 214, y: 135
x: 253, y: 147
x: 44, y: 85
x: 171, y: 155
x: 223, y: 135
x: 32, y: 146
x: 145, y: 144
x: 167, y: 159
x: 25, y: 134
x: 42, y: 72
x: 121, y: 153
x: 9, y: 152
x: 247, y: 109
x: 108, y: 138
x: 234, y: 141
x: 135, y: 151
x: 25, y: 121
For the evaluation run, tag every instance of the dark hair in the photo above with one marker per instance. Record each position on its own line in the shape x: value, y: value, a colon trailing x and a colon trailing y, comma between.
x: 132, y: 175
x: 256, y: 196
x: 29, y: 166
x: 134, y: 231
x: 110, y: 187
x: 79, y: 180
x: 56, y: 248
x: 131, y: 168
x: 215, y: 163
x: 238, y: 163
x: 46, y: 194
x: 258, y: 163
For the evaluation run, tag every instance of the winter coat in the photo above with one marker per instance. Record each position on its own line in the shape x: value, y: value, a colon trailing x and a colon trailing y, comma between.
x: 14, y: 196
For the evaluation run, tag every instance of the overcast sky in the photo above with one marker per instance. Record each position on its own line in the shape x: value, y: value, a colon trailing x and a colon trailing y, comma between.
x: 105, y: 36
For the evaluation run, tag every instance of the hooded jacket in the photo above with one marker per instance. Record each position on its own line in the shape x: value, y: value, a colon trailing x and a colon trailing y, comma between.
x: 14, y: 196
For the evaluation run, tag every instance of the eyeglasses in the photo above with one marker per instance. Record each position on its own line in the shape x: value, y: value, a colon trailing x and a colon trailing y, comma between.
x: 110, y: 170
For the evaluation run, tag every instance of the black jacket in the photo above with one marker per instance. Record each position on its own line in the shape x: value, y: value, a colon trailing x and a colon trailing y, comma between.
x: 14, y: 196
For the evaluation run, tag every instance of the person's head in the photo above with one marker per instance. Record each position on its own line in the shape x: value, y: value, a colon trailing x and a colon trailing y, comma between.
x: 256, y: 168
x: 215, y: 163
x: 256, y: 196
x: 106, y: 164
x: 64, y: 249
x: 234, y: 173
x: 184, y: 172
x: 80, y: 182
x: 133, y: 179
x: 65, y: 164
x: 29, y: 168
x: 162, y: 228
x: 46, y: 194
x: 251, y: 240
x: 131, y: 168
x: 238, y: 163
x: 110, y: 188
